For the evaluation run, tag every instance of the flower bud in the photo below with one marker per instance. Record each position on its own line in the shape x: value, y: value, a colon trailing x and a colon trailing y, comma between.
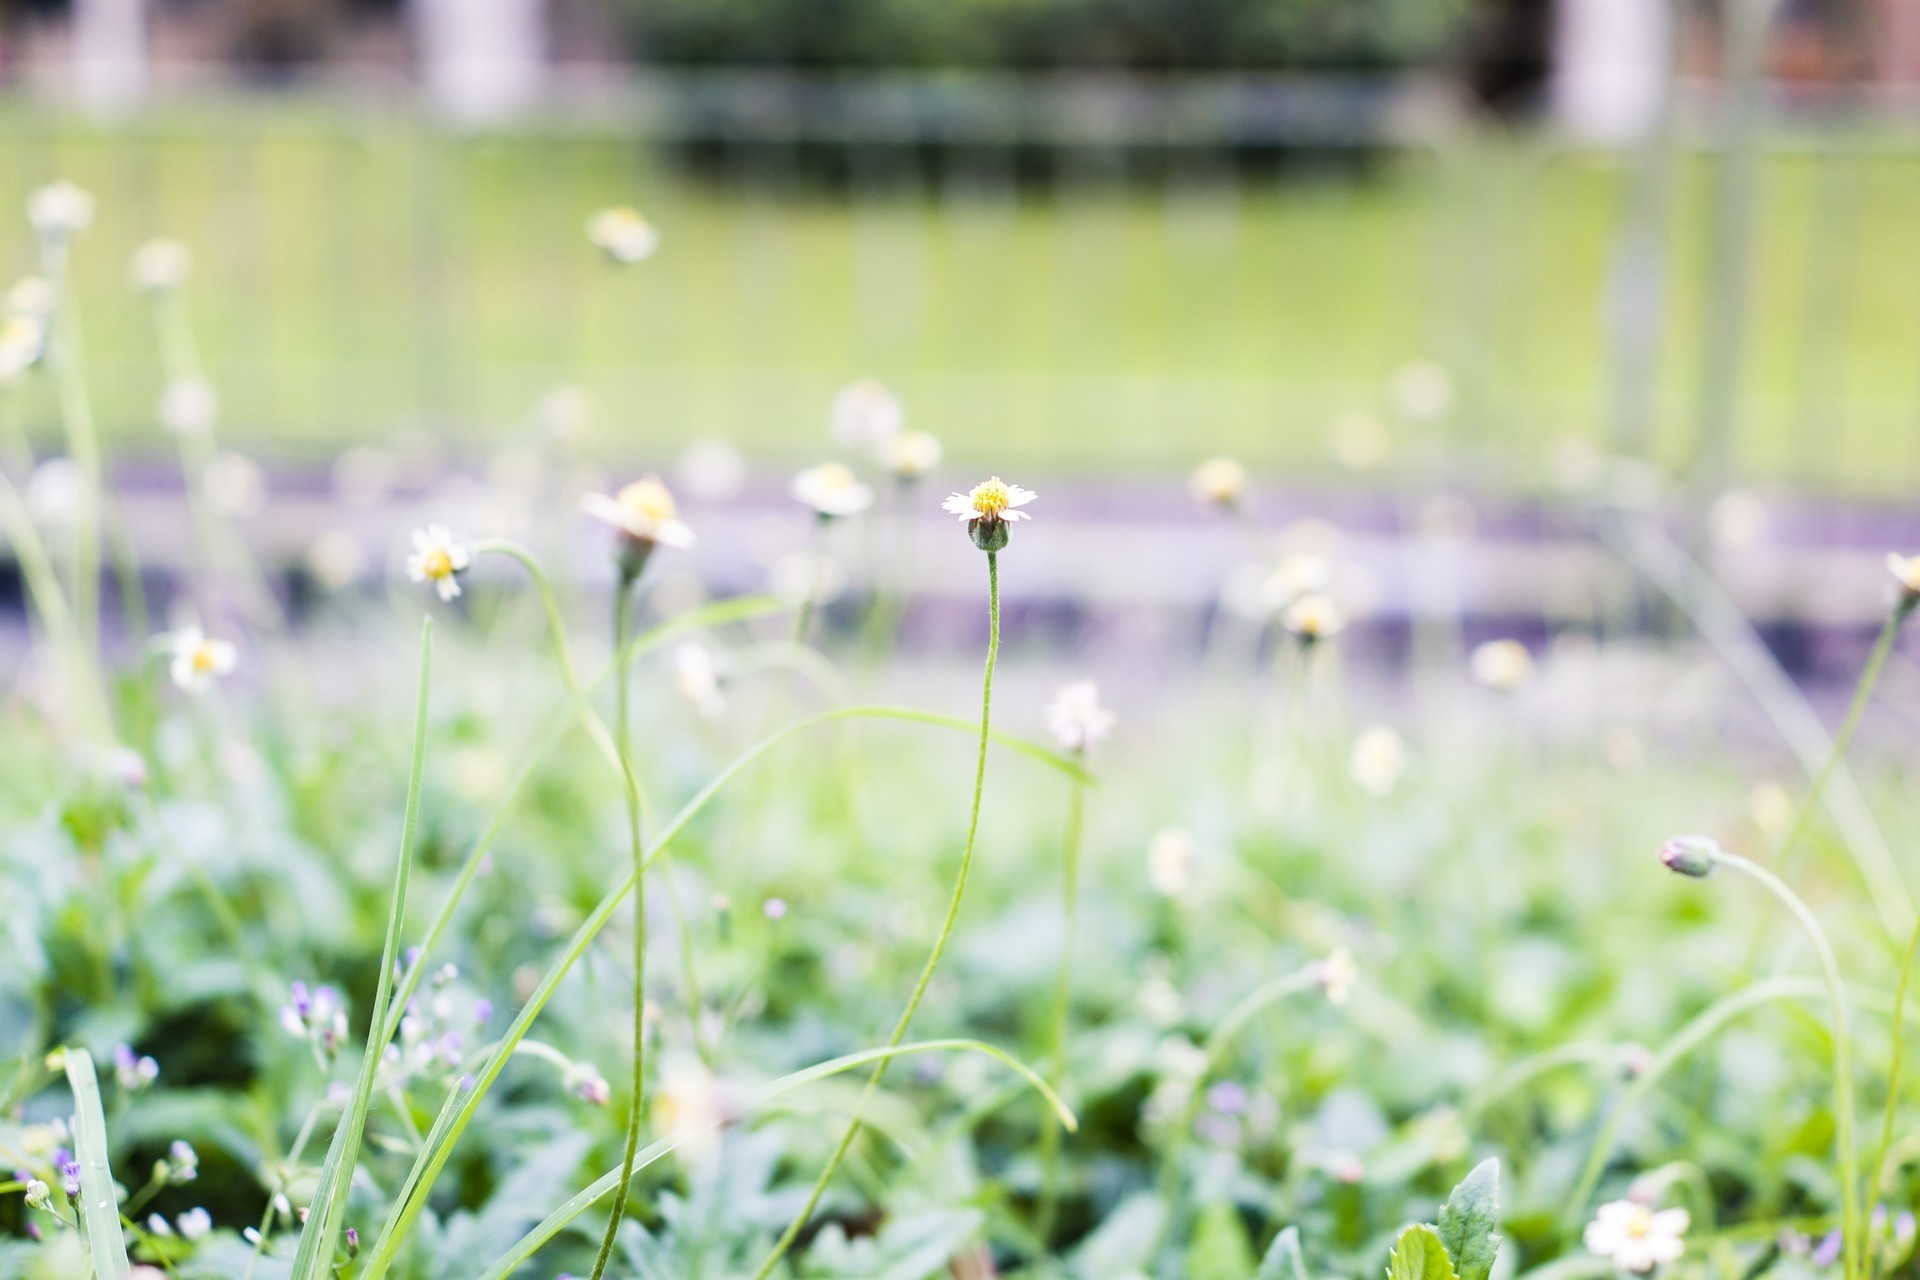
x: 988, y: 535
x: 1690, y: 855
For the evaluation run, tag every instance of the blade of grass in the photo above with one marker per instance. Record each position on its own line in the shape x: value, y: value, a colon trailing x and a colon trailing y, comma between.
x: 99, y: 1206
x: 579, y: 1204
x: 313, y: 1258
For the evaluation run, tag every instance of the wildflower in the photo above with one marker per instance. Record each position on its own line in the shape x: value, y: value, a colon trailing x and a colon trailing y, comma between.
x: 160, y: 265
x: 198, y: 658
x: 711, y: 469
x: 1636, y: 1238
x: 831, y: 489
x: 194, y: 1223
x: 182, y: 1164
x: 157, y: 1225
x: 689, y: 1098
x: 56, y: 492
x: 1171, y: 856
x: 1424, y: 390
x: 23, y: 340
x: 189, y: 406
x: 1222, y: 482
x: 1075, y: 717
x: 774, y: 909
x: 1337, y: 974
x: 584, y: 1081
x: 988, y: 508
x: 126, y: 767
x: 1299, y: 573
x: 32, y: 297
x: 1738, y: 519
x: 623, y: 235
x: 336, y: 559
x: 1502, y: 665
x: 910, y: 455
x: 59, y: 211
x: 234, y: 484
x: 1771, y: 808
x: 645, y: 515
x: 133, y: 1071
x: 1690, y: 855
x: 1378, y: 759
x: 698, y: 677
x: 865, y: 415
x: 1314, y: 617
x: 438, y: 558
x: 1906, y: 577
x: 39, y: 1195
x: 319, y: 1016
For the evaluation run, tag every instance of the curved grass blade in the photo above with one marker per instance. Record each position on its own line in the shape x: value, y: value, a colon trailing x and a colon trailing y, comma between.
x: 433, y: 1159
x: 554, y: 1222
x: 99, y: 1205
x: 313, y: 1259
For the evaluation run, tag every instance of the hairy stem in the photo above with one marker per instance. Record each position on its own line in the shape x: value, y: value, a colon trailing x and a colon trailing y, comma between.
x: 1062, y: 1010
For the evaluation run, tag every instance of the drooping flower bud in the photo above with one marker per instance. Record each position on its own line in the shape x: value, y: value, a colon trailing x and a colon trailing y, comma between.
x: 1690, y: 855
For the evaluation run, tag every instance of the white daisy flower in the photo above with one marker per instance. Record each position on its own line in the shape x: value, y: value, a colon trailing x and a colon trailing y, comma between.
x: 1378, y: 759
x: 911, y: 454
x: 56, y: 492
x: 697, y: 674
x: 33, y: 297
x: 1314, y: 617
x: 1075, y: 717
x: 1337, y: 974
x: 865, y: 415
x: 198, y: 659
x: 23, y: 340
x: 60, y: 211
x: 160, y: 265
x: 623, y: 235
x: 1503, y: 665
x: 1171, y: 856
x: 1636, y: 1238
x: 644, y: 512
x: 1221, y: 482
x: 831, y: 489
x: 189, y: 406
x: 438, y: 558
x: 1905, y: 571
x: 992, y: 499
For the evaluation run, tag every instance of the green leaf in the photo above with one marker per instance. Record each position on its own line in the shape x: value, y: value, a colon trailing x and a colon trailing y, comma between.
x: 1219, y: 1249
x: 1470, y: 1219
x: 99, y: 1203
x: 1283, y: 1260
x: 1420, y: 1255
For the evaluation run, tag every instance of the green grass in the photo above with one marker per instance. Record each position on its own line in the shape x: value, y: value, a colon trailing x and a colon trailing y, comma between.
x: 362, y: 274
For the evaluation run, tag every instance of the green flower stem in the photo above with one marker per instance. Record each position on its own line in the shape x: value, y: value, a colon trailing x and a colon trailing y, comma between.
x: 792, y: 1233
x: 1062, y: 1006
x: 1894, y: 1067
x: 433, y: 1159
x: 1535, y: 1065
x: 1850, y: 1217
x: 83, y: 442
x: 622, y: 608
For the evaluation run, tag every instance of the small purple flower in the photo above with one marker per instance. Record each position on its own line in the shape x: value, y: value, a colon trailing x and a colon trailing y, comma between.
x: 483, y: 1011
x: 775, y: 908
x: 1828, y: 1251
x: 1228, y: 1097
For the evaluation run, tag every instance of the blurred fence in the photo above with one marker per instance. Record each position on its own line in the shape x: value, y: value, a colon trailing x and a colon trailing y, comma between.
x: 1085, y: 273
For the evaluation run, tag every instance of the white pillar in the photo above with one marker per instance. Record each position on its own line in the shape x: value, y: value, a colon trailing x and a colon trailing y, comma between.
x: 1610, y: 64
x: 109, y: 54
x: 482, y: 60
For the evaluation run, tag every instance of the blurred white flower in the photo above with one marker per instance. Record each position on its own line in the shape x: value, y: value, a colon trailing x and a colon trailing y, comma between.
x: 911, y: 454
x: 1423, y: 390
x: 438, y: 558
x: 198, y: 658
x: 1378, y: 760
x: 1299, y: 573
x: 991, y: 500
x: 23, y: 340
x: 1905, y: 571
x: 189, y: 406
x: 160, y: 265
x: 55, y: 492
x: 800, y: 576
x: 59, y: 211
x: 1738, y: 519
x: 1360, y: 442
x: 479, y: 772
x: 1075, y: 717
x: 1503, y: 665
x: 235, y: 485
x: 623, y: 235
x: 865, y: 415
x: 194, y: 1223
x: 1771, y: 807
x: 1337, y: 974
x: 644, y: 511
x: 711, y: 469
x: 832, y: 489
x: 697, y: 674
x: 336, y: 559
x: 1636, y: 1238
x: 1219, y: 481
x: 33, y: 297
x: 1171, y: 856
x: 1314, y: 617
x: 690, y: 1097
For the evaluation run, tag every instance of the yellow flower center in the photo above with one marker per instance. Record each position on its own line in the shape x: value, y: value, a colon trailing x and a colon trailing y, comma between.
x: 1640, y: 1224
x: 649, y: 500
x: 991, y: 499
x: 834, y: 475
x: 203, y: 659
x: 437, y: 563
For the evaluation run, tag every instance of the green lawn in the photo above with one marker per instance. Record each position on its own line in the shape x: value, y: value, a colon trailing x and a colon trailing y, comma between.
x: 361, y: 274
